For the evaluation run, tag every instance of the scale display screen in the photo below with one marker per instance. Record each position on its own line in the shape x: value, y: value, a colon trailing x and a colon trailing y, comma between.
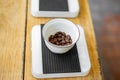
x: 53, y: 5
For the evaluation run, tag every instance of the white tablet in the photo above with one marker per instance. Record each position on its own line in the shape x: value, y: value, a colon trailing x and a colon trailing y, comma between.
x: 54, y: 8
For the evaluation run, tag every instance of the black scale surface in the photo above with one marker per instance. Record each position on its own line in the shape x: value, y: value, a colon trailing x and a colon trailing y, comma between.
x: 59, y: 63
x: 53, y: 5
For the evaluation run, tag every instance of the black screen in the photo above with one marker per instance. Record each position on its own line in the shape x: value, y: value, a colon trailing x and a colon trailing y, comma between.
x: 53, y: 5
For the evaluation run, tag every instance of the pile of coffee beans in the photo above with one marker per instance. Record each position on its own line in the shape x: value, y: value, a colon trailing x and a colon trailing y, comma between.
x: 60, y: 39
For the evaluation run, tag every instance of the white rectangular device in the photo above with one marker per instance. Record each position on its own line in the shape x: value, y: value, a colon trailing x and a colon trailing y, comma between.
x: 46, y: 64
x: 55, y: 8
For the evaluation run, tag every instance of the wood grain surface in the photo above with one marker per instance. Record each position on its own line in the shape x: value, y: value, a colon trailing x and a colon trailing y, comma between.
x: 83, y: 19
x: 16, y: 24
x: 12, y: 30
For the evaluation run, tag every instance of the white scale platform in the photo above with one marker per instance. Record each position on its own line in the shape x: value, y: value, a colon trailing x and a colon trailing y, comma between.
x: 37, y: 63
x: 55, y: 8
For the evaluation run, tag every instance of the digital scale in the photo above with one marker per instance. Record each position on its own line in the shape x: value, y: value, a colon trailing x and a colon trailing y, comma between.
x: 54, y: 8
x: 46, y: 64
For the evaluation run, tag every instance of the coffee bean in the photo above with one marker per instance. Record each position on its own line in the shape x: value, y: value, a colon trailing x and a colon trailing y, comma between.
x: 63, y: 33
x: 51, y: 36
x: 63, y: 37
x: 52, y: 41
x: 63, y: 41
x: 55, y: 39
x: 59, y: 32
x: 68, y: 37
x: 59, y: 35
x: 60, y: 38
x: 57, y: 43
x: 67, y: 40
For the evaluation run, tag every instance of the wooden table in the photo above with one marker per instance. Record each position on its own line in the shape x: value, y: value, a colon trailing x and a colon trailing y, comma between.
x: 15, y: 40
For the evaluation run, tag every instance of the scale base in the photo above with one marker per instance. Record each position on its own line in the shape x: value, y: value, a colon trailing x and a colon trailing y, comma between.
x: 55, y: 8
x: 42, y: 70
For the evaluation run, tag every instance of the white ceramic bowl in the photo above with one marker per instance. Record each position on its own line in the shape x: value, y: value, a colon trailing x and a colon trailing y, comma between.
x: 55, y: 25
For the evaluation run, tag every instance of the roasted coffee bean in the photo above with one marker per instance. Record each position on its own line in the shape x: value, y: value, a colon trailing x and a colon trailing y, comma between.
x: 68, y: 36
x: 55, y: 39
x: 70, y: 41
x: 57, y: 43
x: 67, y: 40
x: 60, y: 32
x: 63, y: 37
x: 63, y: 41
x: 63, y: 33
x: 60, y: 38
x: 52, y: 41
x: 51, y: 36
x: 59, y: 35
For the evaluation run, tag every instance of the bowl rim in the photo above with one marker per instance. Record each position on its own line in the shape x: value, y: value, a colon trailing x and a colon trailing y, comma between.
x: 58, y: 46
